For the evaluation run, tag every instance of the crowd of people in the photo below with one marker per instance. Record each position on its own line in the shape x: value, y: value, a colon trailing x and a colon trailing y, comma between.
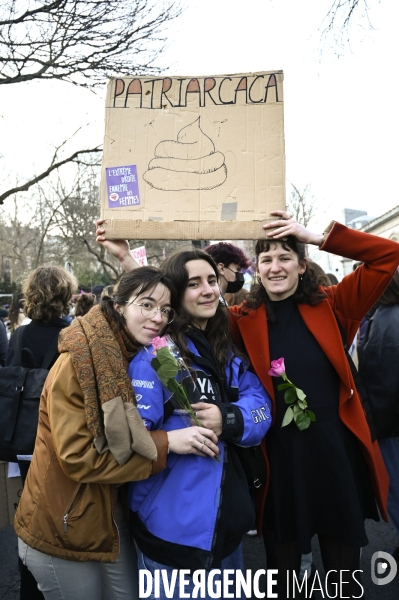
x: 120, y: 480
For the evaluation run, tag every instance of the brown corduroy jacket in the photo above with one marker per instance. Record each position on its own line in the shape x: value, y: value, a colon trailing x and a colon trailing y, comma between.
x: 67, y: 508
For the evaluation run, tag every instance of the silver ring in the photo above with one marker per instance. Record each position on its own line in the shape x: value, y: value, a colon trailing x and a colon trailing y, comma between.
x: 203, y: 444
x: 196, y: 413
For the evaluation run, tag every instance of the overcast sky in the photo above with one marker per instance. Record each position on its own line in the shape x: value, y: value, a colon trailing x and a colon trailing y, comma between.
x: 341, y: 114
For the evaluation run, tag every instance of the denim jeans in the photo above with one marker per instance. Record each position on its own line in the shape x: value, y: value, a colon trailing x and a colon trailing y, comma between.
x: 234, y: 561
x: 61, y: 579
x: 389, y: 447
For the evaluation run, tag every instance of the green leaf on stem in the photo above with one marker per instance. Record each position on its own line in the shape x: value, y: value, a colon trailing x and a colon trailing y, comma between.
x: 285, y: 386
x: 166, y: 372
x: 304, y: 424
x: 302, y: 421
x: 297, y: 410
x: 290, y: 396
x: 289, y: 415
x: 301, y: 395
x: 311, y: 415
x: 302, y: 404
x: 155, y: 364
x: 165, y: 357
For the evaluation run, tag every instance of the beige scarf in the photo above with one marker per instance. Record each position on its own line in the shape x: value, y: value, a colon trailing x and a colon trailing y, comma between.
x: 100, y: 355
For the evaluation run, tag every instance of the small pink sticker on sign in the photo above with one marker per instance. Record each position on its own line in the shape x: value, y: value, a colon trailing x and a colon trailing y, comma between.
x: 122, y: 186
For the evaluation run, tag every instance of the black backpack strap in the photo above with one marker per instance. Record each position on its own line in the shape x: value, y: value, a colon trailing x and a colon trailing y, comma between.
x: 358, y: 382
x: 17, y: 397
x: 17, y: 358
x: 51, y: 354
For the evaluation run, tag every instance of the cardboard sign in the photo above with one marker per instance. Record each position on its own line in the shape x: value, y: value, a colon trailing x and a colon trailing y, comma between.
x: 193, y: 157
x: 140, y: 255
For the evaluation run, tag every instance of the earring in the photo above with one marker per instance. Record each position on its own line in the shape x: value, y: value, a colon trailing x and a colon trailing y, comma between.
x: 301, y: 276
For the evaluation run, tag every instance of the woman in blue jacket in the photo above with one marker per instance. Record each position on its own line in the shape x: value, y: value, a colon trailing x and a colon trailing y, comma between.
x: 194, y: 514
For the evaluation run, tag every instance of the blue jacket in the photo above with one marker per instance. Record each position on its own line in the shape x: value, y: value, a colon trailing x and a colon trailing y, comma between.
x: 181, y: 506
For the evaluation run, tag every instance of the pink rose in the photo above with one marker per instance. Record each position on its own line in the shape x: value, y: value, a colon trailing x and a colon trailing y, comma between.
x: 158, y: 343
x: 277, y: 367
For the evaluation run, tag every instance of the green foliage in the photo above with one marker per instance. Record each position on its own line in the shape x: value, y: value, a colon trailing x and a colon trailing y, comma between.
x: 167, y: 369
x: 289, y: 415
x: 290, y: 395
x: 298, y: 410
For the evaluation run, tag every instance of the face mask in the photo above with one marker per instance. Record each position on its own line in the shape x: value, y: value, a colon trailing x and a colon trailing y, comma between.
x: 235, y: 286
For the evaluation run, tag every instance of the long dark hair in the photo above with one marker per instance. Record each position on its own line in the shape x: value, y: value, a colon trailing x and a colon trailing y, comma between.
x: 138, y: 281
x: 308, y: 290
x: 217, y: 330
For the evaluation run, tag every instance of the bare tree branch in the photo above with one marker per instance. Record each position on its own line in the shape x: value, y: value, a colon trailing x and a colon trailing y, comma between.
x: 100, y: 257
x: 53, y: 166
x: 81, y: 41
x: 302, y: 205
x: 30, y: 13
x: 342, y: 15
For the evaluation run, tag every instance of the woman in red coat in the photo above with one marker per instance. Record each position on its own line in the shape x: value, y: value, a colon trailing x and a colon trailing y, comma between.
x: 325, y: 475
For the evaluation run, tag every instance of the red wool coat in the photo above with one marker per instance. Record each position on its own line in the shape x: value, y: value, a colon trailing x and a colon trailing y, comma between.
x: 350, y: 300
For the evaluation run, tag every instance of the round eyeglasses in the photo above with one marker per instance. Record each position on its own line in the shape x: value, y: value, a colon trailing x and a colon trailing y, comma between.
x: 149, y: 310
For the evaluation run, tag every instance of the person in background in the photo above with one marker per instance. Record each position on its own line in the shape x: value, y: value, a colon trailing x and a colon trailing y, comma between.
x: 379, y: 370
x: 236, y: 298
x: 5, y: 320
x: 316, y: 273
x: 48, y: 292
x: 108, y: 291
x: 16, y: 311
x: 230, y: 261
x: 83, y: 303
x: 90, y: 440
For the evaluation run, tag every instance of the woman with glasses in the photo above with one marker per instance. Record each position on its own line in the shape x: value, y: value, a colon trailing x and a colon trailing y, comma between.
x: 90, y: 440
x: 193, y: 515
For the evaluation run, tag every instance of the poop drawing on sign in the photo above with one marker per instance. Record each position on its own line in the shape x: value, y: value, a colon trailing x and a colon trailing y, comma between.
x: 190, y: 163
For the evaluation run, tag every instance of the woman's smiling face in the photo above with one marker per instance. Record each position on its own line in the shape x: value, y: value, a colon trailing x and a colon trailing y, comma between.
x: 201, y: 297
x: 144, y: 327
x: 279, y: 270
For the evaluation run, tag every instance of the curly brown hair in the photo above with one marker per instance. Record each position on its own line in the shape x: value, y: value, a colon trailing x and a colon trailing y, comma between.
x: 48, y: 292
